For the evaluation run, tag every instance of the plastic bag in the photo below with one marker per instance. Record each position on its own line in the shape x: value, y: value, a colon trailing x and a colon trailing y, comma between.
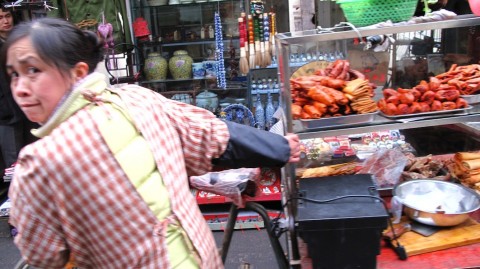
x: 229, y: 183
x: 386, y: 165
x: 396, y: 209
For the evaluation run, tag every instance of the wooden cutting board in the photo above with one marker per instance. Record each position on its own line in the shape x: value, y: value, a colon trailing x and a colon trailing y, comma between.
x: 463, y: 234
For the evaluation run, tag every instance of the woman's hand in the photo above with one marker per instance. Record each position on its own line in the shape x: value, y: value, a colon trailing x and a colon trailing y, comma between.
x: 294, y: 143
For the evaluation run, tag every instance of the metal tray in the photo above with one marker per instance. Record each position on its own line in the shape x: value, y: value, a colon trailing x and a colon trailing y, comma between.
x: 426, y: 115
x: 338, y: 121
x: 471, y: 99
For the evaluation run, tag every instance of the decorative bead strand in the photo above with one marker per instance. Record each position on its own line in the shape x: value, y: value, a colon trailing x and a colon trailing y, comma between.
x: 220, y: 66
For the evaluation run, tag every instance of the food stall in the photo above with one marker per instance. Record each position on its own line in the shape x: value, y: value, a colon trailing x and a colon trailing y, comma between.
x: 356, y: 114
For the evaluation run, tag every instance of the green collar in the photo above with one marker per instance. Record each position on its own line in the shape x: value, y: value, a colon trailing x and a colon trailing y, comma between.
x: 81, y: 96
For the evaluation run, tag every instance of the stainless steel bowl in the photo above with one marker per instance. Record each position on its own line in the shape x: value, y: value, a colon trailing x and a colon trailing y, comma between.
x: 431, y: 211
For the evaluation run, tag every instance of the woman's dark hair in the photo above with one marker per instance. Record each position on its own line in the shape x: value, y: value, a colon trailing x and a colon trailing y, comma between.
x: 58, y: 42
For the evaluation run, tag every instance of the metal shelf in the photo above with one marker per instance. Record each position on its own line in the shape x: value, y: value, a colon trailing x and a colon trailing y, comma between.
x: 341, y: 38
x: 344, y: 32
x: 187, y: 43
x: 383, y: 124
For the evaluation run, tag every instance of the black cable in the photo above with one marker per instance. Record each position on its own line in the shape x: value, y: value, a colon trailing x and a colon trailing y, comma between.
x: 275, y: 225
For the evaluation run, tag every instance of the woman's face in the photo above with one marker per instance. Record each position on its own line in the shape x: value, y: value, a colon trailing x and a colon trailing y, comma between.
x: 36, y: 86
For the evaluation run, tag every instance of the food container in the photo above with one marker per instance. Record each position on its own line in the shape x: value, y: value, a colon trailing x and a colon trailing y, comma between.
x: 436, y: 202
x: 471, y: 99
x: 433, y: 114
x: 338, y: 121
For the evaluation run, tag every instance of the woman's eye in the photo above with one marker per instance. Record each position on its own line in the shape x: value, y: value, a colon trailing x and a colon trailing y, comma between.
x: 13, y: 74
x: 32, y: 70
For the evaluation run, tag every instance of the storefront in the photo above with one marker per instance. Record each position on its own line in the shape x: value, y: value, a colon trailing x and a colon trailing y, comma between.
x: 375, y: 106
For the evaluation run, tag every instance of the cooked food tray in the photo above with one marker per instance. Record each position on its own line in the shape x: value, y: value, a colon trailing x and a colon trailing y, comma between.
x: 471, y: 99
x: 432, y: 114
x: 338, y: 121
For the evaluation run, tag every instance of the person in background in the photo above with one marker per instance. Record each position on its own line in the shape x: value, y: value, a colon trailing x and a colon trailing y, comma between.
x: 439, y: 4
x: 14, y: 126
x: 107, y: 182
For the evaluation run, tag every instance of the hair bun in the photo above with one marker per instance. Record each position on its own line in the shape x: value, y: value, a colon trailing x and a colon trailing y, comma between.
x: 96, y: 45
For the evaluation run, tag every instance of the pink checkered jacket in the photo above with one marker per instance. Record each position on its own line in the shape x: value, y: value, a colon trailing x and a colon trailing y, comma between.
x: 71, y: 197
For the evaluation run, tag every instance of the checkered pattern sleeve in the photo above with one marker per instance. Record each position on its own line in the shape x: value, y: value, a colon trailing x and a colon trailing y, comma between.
x: 40, y: 236
x: 202, y: 136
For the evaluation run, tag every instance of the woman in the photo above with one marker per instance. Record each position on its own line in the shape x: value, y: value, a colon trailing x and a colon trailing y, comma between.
x: 107, y: 181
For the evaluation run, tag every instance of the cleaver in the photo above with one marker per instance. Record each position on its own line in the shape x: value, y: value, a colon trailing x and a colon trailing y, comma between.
x: 424, y: 229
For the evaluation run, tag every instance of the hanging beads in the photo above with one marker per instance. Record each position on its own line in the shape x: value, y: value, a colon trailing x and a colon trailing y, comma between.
x: 221, y: 80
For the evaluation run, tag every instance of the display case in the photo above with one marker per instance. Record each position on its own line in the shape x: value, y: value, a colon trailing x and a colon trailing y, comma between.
x: 400, y: 57
x: 165, y: 29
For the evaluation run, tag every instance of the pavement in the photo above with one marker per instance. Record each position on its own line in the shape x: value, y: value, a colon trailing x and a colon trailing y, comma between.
x: 9, y: 254
x: 247, y: 247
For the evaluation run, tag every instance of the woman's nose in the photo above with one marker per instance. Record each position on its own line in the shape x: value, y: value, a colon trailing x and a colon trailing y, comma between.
x: 20, y: 88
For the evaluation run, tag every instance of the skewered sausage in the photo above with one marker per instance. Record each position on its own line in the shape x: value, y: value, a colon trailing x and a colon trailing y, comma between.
x: 318, y: 94
x: 296, y: 111
x: 312, y: 111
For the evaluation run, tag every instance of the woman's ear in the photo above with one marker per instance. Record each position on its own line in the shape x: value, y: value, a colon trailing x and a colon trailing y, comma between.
x: 80, y: 71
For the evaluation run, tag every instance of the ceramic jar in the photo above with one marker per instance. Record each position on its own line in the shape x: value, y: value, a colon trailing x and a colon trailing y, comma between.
x: 180, y: 65
x: 207, y: 100
x: 155, y: 67
x: 183, y: 97
x: 210, y: 68
x: 198, y: 70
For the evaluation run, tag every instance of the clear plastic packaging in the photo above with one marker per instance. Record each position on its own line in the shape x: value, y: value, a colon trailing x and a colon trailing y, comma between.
x: 386, y: 165
x: 231, y: 183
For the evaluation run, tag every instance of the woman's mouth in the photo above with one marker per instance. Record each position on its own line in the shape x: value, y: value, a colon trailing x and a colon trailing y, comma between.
x: 27, y: 105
